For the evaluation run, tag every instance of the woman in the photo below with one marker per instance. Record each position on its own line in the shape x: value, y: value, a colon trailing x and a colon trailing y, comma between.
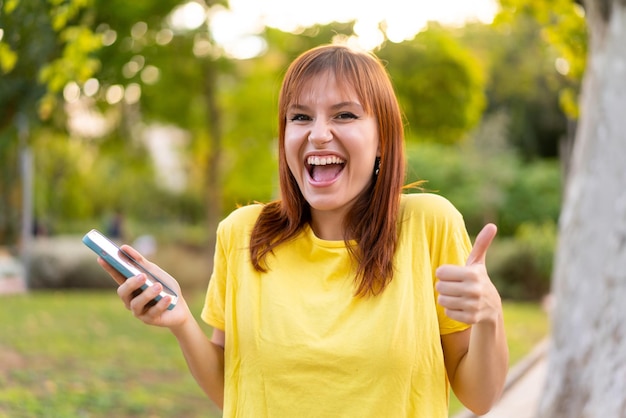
x: 345, y: 298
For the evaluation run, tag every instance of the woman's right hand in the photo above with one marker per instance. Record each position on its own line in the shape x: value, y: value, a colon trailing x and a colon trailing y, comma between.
x: 139, y: 302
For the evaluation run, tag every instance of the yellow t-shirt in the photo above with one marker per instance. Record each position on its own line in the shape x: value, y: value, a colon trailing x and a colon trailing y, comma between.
x: 299, y: 344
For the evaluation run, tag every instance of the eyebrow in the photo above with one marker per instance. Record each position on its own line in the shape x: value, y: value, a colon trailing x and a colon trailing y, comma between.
x: 340, y: 105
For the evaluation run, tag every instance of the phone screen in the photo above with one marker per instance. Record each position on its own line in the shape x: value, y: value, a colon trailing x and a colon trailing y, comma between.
x: 122, y: 261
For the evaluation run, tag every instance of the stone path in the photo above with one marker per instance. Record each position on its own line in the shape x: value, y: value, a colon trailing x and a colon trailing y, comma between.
x: 11, y: 275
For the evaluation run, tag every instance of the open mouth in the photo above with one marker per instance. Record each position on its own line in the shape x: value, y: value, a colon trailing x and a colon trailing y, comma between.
x: 324, y: 168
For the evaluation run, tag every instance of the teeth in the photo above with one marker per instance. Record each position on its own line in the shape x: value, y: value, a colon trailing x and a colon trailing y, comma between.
x: 330, y: 159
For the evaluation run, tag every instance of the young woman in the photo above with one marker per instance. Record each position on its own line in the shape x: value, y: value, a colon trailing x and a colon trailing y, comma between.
x: 346, y: 297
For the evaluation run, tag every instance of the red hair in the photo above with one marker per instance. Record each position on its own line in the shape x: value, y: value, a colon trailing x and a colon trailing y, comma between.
x: 372, y: 220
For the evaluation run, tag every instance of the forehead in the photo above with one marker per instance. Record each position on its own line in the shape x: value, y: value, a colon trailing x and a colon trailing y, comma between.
x: 325, y: 86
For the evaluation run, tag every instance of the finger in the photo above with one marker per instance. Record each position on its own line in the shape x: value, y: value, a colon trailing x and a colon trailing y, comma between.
x: 451, y: 273
x: 133, y: 253
x: 154, y: 308
x: 131, y: 288
x: 461, y: 315
x: 454, y: 303
x: 116, y: 275
x: 157, y: 308
x: 457, y: 308
x: 449, y: 288
x: 140, y: 259
x: 145, y: 300
x: 481, y: 245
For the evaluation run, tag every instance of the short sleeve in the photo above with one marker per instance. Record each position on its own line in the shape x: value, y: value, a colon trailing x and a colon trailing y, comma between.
x: 450, y: 244
x: 455, y: 252
x: 213, y: 312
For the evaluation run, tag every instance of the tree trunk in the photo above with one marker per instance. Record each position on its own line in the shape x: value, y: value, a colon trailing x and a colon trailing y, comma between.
x: 214, y: 184
x: 213, y: 174
x: 10, y: 189
x: 587, y: 359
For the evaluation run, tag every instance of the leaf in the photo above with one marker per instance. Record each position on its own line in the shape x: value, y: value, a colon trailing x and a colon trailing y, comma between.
x: 10, y: 5
x: 8, y: 58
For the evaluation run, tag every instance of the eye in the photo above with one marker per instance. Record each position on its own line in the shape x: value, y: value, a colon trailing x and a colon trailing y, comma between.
x: 346, y: 116
x: 299, y: 117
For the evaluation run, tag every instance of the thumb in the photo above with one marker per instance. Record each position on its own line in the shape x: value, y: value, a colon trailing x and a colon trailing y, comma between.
x: 481, y: 245
x: 136, y: 255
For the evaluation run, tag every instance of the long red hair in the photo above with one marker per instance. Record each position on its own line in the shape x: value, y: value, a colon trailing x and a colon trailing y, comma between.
x: 372, y: 220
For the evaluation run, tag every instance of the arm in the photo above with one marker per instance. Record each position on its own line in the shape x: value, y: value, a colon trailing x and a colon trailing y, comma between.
x: 204, y: 357
x: 476, y: 359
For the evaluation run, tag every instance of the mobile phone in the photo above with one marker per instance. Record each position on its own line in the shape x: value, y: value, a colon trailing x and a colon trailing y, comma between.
x: 125, y: 264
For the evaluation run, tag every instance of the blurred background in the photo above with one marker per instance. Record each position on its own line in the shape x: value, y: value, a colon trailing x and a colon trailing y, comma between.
x: 152, y: 120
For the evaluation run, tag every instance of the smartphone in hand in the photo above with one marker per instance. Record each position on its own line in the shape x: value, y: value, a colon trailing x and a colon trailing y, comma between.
x: 125, y: 264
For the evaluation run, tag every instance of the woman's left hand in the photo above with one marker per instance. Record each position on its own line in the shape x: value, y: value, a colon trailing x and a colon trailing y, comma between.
x: 466, y: 292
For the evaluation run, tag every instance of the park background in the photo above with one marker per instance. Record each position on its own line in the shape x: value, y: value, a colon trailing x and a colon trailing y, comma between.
x: 136, y: 115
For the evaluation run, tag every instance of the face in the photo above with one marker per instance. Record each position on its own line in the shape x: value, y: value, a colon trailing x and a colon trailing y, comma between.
x: 330, y: 144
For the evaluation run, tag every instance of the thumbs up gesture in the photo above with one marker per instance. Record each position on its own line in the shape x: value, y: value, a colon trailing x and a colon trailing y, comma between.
x: 466, y: 292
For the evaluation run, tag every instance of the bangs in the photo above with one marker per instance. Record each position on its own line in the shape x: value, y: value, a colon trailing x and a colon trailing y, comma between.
x: 354, y: 75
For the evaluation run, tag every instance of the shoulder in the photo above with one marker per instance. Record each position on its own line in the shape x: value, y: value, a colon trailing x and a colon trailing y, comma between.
x: 438, y: 221
x: 428, y: 205
x: 241, y: 219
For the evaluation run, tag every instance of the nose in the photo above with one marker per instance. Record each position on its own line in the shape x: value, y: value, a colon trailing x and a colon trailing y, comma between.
x: 320, y: 133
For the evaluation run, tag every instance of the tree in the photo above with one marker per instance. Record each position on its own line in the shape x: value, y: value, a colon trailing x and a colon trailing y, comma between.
x: 43, y: 45
x: 587, y: 358
x: 439, y: 83
x: 559, y: 33
x: 46, y: 46
x: 522, y: 83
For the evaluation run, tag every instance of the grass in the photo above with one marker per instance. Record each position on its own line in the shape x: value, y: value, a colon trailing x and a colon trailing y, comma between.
x: 81, y: 354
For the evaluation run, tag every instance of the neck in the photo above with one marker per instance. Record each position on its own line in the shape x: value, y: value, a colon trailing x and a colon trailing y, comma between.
x: 328, y: 225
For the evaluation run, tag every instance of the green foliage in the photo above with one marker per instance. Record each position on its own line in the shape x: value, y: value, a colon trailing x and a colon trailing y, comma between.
x: 141, y: 52
x: 561, y: 23
x: 22, y: 23
x: 228, y: 109
x: 461, y: 178
x: 52, y: 46
x: 121, y: 15
x: 250, y: 155
x: 44, y: 44
x: 8, y: 58
x: 541, y: 240
x: 283, y: 47
x: 521, y: 81
x: 439, y: 83
x: 487, y: 187
x: 79, y: 182
x: 75, y: 63
x: 521, y: 266
x: 534, y: 196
